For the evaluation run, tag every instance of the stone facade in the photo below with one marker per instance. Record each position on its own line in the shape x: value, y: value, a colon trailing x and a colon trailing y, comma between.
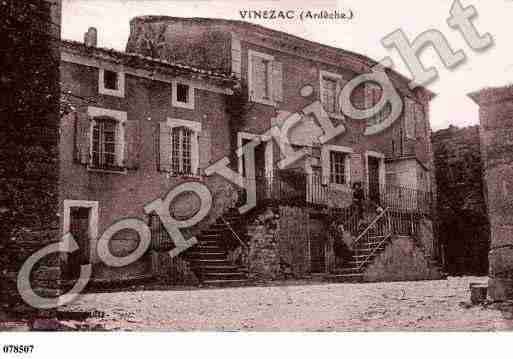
x: 29, y: 122
x: 496, y: 138
x: 463, y: 221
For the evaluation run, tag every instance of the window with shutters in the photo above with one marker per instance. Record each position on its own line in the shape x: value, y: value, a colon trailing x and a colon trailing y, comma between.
x: 181, y: 151
x: 330, y: 87
x: 265, y: 78
x: 111, y: 83
x: 182, y: 95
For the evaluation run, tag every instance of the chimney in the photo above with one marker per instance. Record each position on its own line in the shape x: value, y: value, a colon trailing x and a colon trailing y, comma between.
x: 91, y: 37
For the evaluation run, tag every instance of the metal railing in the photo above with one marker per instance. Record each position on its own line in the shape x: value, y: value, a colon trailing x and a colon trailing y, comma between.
x: 315, y: 190
x: 233, y: 233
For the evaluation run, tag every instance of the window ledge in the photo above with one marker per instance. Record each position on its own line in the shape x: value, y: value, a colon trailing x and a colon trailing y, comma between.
x: 264, y: 102
x: 340, y: 187
x: 336, y: 116
x: 184, y: 176
x: 120, y: 171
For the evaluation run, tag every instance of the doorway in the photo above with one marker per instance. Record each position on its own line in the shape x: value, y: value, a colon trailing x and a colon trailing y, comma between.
x: 81, y: 221
x: 375, y: 178
x: 79, y: 228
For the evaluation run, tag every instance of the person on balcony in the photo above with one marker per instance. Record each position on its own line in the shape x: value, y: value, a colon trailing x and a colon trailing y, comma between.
x: 358, y: 197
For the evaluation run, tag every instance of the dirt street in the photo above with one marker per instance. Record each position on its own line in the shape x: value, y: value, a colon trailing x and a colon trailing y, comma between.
x: 411, y: 306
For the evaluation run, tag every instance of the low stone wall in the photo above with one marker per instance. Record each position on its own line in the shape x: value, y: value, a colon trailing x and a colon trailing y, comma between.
x: 401, y: 260
x: 174, y: 271
x: 293, y: 240
x: 45, y: 277
x: 264, y: 256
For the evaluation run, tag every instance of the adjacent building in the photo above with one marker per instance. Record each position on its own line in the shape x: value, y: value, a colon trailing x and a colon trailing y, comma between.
x: 496, y: 138
x: 464, y: 229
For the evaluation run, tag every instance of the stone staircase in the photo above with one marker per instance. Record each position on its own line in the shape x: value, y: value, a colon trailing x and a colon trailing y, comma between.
x: 352, y: 271
x: 369, y: 243
x: 209, y: 259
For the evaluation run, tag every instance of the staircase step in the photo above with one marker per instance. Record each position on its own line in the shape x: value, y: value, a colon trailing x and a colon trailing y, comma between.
x: 210, y: 262
x: 345, y: 278
x: 207, y: 255
x: 226, y: 282
x: 218, y: 268
x: 207, y: 275
x: 209, y: 247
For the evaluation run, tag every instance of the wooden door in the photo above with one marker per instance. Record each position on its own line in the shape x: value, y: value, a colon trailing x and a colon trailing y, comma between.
x: 374, y: 190
x: 79, y: 228
x: 317, y: 253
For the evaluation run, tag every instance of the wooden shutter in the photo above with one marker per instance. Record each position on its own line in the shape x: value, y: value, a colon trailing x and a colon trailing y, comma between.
x: 82, y: 138
x: 277, y: 81
x: 258, y: 78
x: 339, y: 100
x: 420, y: 127
x: 409, y: 118
x: 132, y: 144
x: 372, y: 97
x: 164, y: 147
x: 205, y: 149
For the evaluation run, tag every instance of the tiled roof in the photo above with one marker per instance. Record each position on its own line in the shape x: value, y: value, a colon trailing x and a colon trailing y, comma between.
x: 119, y: 56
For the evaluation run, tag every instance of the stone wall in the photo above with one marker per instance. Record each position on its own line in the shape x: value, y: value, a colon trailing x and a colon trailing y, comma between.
x: 294, y: 237
x: 496, y: 138
x: 29, y: 120
x: 463, y: 221
x: 264, y: 254
x: 401, y: 260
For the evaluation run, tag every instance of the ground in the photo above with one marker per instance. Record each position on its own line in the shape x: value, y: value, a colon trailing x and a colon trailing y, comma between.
x: 424, y: 305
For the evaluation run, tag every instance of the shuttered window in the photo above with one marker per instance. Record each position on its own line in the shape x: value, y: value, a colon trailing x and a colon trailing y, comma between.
x: 265, y: 78
x: 329, y: 93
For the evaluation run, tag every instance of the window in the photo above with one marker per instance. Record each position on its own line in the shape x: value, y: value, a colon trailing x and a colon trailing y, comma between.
x: 337, y: 170
x: 179, y: 144
x: 110, y: 80
x: 104, y: 144
x: 264, y: 78
x: 336, y: 164
x: 181, y: 150
x: 106, y: 138
x: 330, y: 87
x: 373, y: 94
x: 183, y: 95
x: 111, y: 83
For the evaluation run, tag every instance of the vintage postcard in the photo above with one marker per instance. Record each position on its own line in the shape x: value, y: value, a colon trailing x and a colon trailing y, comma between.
x: 255, y: 166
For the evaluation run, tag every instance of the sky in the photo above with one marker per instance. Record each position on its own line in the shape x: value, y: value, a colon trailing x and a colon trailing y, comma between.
x: 372, y: 21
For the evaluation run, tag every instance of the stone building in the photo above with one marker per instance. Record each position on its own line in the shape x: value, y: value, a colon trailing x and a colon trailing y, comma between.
x: 189, y: 92
x: 464, y: 229
x: 29, y: 123
x: 496, y: 137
